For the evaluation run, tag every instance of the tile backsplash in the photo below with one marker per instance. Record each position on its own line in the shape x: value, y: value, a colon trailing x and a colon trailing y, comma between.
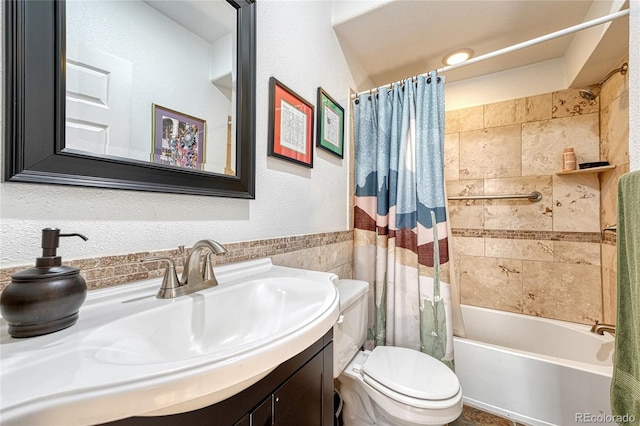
x: 329, y: 252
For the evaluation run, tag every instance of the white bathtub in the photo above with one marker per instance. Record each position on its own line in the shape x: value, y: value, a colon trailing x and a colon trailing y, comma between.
x: 534, y: 370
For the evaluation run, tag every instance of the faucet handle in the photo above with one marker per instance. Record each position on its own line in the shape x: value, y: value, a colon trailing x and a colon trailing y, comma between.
x: 207, y: 270
x: 181, y: 250
x: 170, y: 282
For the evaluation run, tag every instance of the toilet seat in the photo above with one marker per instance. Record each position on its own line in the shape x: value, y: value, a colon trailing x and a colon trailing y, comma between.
x: 411, y: 377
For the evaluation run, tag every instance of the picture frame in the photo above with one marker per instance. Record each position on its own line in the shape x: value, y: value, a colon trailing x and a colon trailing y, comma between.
x: 178, y: 139
x: 290, y: 125
x: 330, y: 124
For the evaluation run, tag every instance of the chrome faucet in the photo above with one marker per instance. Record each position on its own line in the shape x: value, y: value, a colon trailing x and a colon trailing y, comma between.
x: 601, y: 328
x: 194, y: 276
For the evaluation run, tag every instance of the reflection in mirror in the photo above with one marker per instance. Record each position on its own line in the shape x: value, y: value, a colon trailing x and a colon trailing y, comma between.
x: 152, y: 81
x: 156, y: 128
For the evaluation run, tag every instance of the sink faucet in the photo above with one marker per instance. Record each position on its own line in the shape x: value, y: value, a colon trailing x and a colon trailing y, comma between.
x: 601, y: 328
x: 192, y: 274
x: 194, y: 277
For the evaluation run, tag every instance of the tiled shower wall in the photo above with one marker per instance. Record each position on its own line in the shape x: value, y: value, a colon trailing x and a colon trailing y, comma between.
x: 614, y: 147
x: 538, y: 258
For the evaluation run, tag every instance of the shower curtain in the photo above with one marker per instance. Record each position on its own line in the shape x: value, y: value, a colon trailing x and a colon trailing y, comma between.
x: 401, y: 244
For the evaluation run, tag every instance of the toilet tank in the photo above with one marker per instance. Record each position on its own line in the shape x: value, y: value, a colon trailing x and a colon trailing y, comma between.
x: 350, y: 331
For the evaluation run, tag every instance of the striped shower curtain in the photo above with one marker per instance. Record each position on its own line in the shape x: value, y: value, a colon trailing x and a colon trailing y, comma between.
x: 401, y: 244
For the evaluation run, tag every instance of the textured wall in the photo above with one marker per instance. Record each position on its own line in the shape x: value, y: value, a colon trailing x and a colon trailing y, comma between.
x: 538, y: 258
x: 297, y: 45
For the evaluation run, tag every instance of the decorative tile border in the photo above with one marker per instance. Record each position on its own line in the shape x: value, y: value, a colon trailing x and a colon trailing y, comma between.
x: 610, y: 238
x: 585, y: 237
x: 120, y: 269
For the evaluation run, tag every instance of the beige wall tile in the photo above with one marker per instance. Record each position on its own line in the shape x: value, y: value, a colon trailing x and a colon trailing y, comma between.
x: 519, y: 214
x: 614, y: 129
x: 567, y: 103
x: 562, y: 291
x: 609, y: 295
x: 576, y: 203
x: 461, y: 120
x: 576, y: 252
x: 614, y: 86
x: 609, y: 195
x: 519, y: 249
x: 533, y: 108
x: 468, y: 246
x: 609, y: 283
x: 491, y: 283
x: 344, y: 272
x: 609, y: 257
x: 544, y: 141
x: 468, y: 213
x: 322, y: 258
x: 452, y: 156
x: 490, y: 153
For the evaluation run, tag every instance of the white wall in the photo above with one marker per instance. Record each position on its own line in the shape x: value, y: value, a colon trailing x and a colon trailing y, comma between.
x: 297, y: 45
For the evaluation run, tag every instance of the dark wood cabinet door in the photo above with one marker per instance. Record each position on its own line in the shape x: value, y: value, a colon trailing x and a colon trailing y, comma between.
x: 262, y: 415
x: 245, y: 421
x: 299, y: 400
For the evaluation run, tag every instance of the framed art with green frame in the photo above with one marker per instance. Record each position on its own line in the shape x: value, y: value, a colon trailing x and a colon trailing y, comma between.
x: 330, y: 124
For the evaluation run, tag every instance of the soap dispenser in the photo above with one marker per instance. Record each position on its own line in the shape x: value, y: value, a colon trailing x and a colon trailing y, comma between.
x: 47, y: 297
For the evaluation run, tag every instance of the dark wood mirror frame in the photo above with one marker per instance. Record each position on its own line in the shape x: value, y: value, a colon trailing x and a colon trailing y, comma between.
x: 34, y: 113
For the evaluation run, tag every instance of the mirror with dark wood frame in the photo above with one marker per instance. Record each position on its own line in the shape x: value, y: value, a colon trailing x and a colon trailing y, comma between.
x: 34, y: 113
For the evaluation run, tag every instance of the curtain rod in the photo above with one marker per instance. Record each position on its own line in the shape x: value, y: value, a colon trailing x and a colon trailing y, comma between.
x: 518, y: 46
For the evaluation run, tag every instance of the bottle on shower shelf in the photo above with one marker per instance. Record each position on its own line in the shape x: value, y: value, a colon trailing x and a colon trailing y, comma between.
x: 568, y: 160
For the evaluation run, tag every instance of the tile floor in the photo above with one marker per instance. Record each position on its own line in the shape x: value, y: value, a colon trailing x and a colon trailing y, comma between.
x: 473, y: 417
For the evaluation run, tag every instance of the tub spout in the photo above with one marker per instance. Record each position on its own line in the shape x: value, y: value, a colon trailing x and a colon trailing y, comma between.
x: 598, y: 328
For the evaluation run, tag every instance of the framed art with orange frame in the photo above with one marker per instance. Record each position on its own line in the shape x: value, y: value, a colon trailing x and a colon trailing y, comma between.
x: 290, y: 125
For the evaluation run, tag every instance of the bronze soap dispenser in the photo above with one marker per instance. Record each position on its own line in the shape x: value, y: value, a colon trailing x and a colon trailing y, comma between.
x: 47, y: 297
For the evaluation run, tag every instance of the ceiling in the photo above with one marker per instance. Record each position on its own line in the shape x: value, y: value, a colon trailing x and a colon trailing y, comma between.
x: 389, y: 40
x: 210, y: 20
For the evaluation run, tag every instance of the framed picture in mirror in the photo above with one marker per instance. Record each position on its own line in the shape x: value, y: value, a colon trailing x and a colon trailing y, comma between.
x: 178, y: 139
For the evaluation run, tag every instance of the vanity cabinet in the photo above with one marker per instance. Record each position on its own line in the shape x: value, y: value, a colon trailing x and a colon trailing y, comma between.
x: 298, y: 392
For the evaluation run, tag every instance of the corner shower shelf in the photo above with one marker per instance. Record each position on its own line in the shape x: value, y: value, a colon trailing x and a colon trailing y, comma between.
x: 589, y: 170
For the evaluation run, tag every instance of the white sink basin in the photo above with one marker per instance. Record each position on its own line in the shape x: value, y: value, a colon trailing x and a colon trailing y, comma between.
x: 132, y: 354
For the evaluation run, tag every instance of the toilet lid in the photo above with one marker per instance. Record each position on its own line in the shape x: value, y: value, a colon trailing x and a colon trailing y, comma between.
x: 411, y: 373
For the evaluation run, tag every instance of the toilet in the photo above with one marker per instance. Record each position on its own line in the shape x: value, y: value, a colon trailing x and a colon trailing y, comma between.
x: 389, y: 385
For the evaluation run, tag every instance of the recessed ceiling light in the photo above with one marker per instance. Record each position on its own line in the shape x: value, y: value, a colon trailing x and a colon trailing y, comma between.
x: 457, y: 56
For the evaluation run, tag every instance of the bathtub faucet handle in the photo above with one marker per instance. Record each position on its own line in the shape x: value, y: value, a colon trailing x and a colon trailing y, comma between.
x: 598, y: 328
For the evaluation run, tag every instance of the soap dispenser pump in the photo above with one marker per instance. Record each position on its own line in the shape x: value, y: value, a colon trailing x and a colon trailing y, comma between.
x: 47, y: 297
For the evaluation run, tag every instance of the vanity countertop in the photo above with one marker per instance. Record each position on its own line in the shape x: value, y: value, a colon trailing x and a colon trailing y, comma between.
x: 133, y: 354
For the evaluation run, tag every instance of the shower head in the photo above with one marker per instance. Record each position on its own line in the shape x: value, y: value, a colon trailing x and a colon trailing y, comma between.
x: 590, y: 92
x: 593, y: 90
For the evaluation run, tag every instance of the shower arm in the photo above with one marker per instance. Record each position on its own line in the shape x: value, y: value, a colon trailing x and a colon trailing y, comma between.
x: 622, y: 70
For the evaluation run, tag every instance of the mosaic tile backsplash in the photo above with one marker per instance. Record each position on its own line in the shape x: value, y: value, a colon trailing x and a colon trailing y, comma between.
x: 328, y: 252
